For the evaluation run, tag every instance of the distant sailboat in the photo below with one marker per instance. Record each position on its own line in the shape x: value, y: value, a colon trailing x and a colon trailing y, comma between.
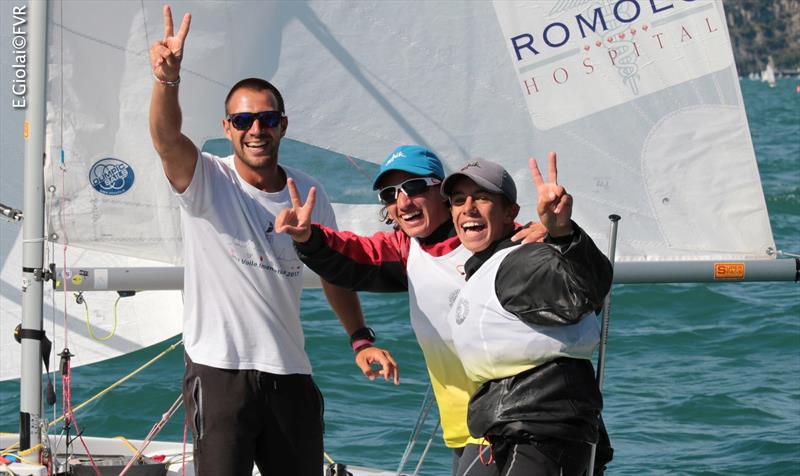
x: 768, y: 75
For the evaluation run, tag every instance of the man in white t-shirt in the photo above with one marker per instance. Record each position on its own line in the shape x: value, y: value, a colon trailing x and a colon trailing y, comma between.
x: 247, y: 388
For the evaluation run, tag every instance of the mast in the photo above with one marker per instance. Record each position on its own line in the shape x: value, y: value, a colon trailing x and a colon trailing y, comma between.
x: 33, y: 273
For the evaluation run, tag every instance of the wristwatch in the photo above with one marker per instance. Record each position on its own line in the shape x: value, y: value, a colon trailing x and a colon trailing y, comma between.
x: 363, y: 333
x: 362, y: 338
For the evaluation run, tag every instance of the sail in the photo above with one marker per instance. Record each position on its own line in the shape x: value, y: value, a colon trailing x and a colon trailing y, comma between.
x: 768, y: 75
x: 639, y: 98
x: 105, y: 326
x: 139, y: 321
x: 617, y: 88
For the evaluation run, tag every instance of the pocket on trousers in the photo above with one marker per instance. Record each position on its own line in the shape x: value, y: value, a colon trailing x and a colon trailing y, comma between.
x: 197, y: 399
x: 320, y: 404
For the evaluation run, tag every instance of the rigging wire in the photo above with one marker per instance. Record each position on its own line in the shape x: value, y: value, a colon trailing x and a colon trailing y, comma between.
x: 427, y: 404
x: 10, y: 213
x: 123, y: 379
x: 153, y: 432
x: 68, y: 412
x: 427, y: 447
x: 357, y: 167
x: 183, y: 447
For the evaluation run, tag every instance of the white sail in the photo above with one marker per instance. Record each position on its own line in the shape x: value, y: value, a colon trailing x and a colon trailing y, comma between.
x: 101, y: 328
x: 617, y: 88
x: 142, y: 320
x: 768, y: 75
x: 640, y: 99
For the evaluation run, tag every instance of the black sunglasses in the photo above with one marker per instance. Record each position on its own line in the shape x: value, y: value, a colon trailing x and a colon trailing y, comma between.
x: 244, y: 120
x: 410, y: 187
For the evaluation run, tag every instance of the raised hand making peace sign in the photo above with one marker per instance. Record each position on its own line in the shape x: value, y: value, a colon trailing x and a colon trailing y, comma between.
x: 554, y: 204
x: 166, y: 54
x: 296, y: 221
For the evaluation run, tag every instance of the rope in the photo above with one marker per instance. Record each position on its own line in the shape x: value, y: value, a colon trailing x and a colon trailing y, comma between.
x: 126, y: 442
x: 31, y: 450
x: 491, y: 452
x: 82, y: 300
x: 64, y: 280
x: 8, y: 449
x: 6, y: 469
x: 153, y: 432
x: 19, y: 455
x: 121, y: 381
x: 69, y: 415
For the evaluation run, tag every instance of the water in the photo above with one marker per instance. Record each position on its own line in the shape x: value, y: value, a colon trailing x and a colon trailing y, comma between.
x: 700, y: 380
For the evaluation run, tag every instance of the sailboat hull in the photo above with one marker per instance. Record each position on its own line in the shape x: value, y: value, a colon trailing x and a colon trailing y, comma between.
x: 119, y: 448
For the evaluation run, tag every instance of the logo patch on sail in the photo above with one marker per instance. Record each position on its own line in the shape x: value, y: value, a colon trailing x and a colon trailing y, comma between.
x: 111, y: 176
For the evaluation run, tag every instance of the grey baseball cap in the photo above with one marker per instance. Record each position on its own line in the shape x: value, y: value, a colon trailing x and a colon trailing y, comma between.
x: 486, y: 174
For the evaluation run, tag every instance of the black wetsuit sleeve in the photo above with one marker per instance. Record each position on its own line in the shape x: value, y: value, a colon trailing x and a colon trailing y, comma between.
x: 359, y: 263
x: 556, y: 282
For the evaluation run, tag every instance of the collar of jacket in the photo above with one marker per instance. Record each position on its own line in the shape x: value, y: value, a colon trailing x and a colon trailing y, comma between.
x: 476, y: 261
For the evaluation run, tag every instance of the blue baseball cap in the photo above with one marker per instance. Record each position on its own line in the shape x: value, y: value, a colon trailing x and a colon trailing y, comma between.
x: 413, y: 159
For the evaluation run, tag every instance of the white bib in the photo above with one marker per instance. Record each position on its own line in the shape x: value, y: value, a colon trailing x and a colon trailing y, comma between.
x: 493, y: 343
x: 433, y: 284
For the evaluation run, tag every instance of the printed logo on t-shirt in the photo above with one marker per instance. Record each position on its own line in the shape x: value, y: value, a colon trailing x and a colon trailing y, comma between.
x: 279, y: 258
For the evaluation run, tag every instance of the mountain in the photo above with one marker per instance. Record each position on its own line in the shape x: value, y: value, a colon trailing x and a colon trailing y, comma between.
x: 763, y: 28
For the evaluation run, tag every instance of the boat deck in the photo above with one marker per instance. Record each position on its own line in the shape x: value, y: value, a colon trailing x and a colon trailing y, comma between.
x: 120, y: 449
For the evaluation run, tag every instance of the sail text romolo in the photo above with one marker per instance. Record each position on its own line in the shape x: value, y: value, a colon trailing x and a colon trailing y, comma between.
x: 559, y: 49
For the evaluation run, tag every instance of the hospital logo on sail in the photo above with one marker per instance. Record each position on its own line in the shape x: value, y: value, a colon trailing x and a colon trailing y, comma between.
x: 111, y: 176
x: 577, y: 58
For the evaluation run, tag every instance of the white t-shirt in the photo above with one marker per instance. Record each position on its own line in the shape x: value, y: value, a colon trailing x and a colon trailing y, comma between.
x: 242, y: 280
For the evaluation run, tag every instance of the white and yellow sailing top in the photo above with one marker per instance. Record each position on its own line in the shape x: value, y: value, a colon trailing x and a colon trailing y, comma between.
x: 494, y: 343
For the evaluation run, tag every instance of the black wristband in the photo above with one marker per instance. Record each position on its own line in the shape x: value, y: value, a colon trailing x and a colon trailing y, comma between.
x: 363, y: 333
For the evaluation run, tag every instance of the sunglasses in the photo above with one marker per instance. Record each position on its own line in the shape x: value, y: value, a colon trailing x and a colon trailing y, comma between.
x: 243, y: 121
x: 410, y: 187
